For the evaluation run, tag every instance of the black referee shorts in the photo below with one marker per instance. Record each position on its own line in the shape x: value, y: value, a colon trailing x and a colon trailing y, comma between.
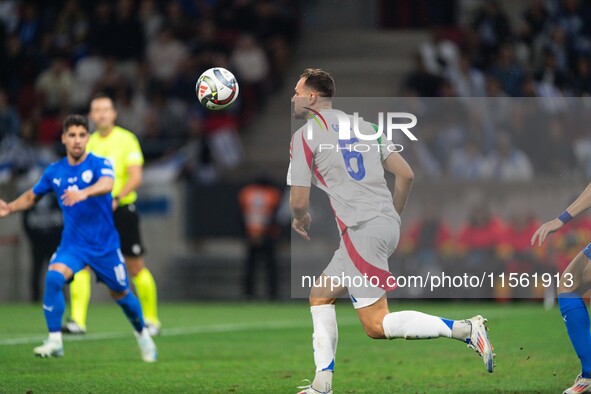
x: 127, y: 223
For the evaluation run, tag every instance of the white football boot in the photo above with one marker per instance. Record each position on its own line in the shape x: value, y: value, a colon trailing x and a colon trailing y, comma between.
x: 479, y: 341
x: 307, y: 389
x: 50, y: 348
x: 582, y: 385
x: 147, y: 346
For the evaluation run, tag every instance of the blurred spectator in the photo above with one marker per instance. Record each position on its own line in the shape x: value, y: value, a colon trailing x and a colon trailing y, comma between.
x: 183, y: 86
x: 9, y: 15
x: 534, y: 20
x: 54, y: 86
x: 492, y: 29
x: 440, y: 55
x: 515, y: 253
x: 167, y: 125
x: 71, y: 29
x: 252, y: 68
x: 549, y: 76
x: 165, y: 55
x: 467, y: 81
x: 421, y: 81
x: 582, y: 81
x: 101, y: 28
x: 428, y: 241
x: 506, y: 70
x: 557, y: 155
x: 29, y: 27
x: 467, y: 163
x: 478, y: 239
x: 87, y: 72
x: 127, y: 33
x: 206, y: 45
x: 259, y: 202
x: 131, y: 110
x: 507, y: 163
x: 178, y: 21
x: 10, y: 122
x: 152, y: 20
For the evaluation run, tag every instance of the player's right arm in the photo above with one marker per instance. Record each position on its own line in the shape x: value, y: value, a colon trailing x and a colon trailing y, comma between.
x: 22, y: 203
x: 395, y: 164
x: 300, y: 179
x: 30, y: 197
x: 582, y: 203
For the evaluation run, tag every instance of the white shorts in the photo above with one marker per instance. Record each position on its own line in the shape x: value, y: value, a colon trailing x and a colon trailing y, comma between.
x: 361, y: 262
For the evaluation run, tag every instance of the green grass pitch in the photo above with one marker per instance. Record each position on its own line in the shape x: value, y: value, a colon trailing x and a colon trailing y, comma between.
x: 266, y: 348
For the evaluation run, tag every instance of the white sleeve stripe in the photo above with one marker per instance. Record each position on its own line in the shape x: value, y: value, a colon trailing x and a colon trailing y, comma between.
x: 107, y: 171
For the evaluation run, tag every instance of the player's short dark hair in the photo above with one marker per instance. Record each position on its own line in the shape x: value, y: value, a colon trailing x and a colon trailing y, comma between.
x: 102, y: 95
x: 75, y: 120
x: 319, y: 81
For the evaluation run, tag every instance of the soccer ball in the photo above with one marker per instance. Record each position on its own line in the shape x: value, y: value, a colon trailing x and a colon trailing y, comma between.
x: 216, y: 88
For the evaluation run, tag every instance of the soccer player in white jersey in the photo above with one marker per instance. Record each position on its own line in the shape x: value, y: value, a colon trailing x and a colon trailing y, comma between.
x: 368, y: 217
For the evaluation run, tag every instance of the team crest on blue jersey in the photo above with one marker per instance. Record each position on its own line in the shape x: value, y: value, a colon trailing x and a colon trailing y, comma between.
x: 87, y: 176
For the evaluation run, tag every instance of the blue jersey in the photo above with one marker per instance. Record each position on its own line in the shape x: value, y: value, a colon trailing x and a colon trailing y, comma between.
x: 89, y: 224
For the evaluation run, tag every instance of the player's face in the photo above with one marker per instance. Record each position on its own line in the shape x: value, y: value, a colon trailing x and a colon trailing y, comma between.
x: 75, y: 139
x: 302, y: 97
x: 102, y: 113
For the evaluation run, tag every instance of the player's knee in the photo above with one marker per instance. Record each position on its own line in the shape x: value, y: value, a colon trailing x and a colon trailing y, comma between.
x: 374, y: 329
x: 54, y: 280
x: 567, y: 284
x: 318, y: 301
x: 134, y: 265
x: 117, y: 295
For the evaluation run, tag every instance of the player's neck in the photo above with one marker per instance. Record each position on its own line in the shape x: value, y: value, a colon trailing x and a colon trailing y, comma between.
x: 323, y: 105
x: 105, y: 131
x: 75, y: 161
x: 319, y: 107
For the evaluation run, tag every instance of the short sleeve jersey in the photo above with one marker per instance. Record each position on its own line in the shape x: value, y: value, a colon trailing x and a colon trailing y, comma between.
x: 122, y: 148
x: 88, y: 225
x: 350, y: 171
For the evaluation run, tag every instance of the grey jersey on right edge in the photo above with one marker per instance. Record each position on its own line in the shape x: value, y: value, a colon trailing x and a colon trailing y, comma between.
x: 350, y: 172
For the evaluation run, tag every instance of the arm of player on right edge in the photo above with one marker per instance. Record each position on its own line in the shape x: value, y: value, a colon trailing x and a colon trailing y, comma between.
x: 582, y: 203
x: 21, y: 203
x: 396, y: 165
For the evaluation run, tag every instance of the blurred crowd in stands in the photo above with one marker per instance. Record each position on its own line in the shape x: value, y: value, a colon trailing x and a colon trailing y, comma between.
x: 487, y: 242
x: 545, y: 57
x: 146, y: 54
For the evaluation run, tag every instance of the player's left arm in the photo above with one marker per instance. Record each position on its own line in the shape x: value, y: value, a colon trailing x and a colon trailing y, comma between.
x: 134, y: 181
x: 103, y: 186
x: 299, y: 202
x: 582, y: 203
x: 134, y: 164
x: 396, y: 164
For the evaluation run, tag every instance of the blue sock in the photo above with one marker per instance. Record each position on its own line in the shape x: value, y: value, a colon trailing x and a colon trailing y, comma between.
x: 448, y: 322
x: 54, y: 303
x: 576, y: 317
x: 133, y: 310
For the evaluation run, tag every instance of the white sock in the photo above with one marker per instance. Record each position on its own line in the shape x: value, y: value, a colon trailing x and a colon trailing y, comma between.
x: 414, y: 325
x: 324, y: 342
x: 56, y: 336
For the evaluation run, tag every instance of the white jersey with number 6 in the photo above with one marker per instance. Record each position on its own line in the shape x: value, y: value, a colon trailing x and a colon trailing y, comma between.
x: 349, y: 171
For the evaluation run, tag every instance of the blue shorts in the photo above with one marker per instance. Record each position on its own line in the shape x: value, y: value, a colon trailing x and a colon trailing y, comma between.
x: 587, y: 251
x: 109, y: 268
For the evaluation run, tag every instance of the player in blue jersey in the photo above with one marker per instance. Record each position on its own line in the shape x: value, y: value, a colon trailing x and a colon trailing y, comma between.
x: 83, y: 183
x: 574, y: 283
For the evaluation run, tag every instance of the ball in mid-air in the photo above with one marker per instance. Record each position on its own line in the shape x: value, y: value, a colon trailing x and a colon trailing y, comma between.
x: 216, y: 88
